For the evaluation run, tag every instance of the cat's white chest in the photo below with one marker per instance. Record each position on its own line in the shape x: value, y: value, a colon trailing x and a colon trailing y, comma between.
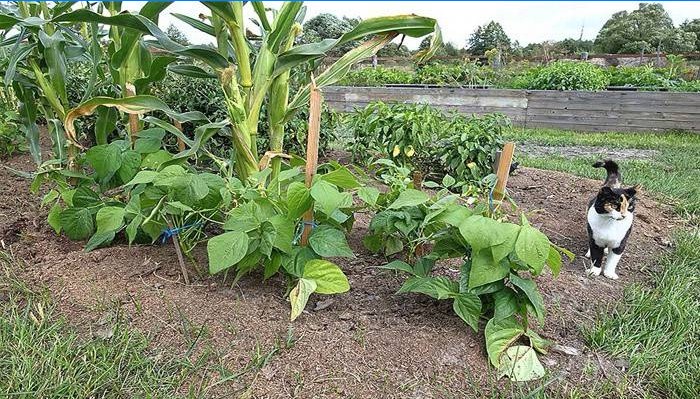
x: 608, y: 232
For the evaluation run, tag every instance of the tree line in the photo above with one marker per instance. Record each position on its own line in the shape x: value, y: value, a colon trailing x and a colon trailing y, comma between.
x: 648, y: 29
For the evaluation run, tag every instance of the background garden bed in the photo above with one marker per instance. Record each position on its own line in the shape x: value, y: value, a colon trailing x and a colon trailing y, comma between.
x: 574, y: 110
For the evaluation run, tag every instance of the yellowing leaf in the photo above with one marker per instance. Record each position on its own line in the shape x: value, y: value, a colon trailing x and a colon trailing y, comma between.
x: 328, y: 277
x: 300, y: 295
x: 396, y: 151
x: 521, y: 364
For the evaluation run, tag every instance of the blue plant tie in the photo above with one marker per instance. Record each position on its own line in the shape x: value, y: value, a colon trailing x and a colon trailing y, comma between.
x: 491, y: 207
x: 300, y: 230
x: 169, y: 232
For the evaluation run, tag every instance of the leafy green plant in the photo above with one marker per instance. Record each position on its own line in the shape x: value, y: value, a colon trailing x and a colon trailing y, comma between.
x: 570, y: 75
x: 422, y: 138
x: 469, y: 146
x: 398, y: 131
x: 265, y: 227
x: 642, y: 77
x: 11, y: 138
x: 499, y: 261
x: 462, y: 74
x: 378, y: 76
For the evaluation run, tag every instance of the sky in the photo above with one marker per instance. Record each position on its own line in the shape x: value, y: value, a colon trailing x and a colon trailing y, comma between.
x: 525, y: 21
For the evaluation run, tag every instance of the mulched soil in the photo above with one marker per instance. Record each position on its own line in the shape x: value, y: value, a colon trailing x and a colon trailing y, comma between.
x: 368, y: 343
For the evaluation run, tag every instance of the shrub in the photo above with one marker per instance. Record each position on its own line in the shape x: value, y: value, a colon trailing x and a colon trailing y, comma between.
x: 570, y: 75
x: 378, y: 76
x: 422, y: 138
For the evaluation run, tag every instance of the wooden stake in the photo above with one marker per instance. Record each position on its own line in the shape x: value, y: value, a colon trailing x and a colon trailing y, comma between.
x: 312, y: 154
x: 503, y: 171
x: 417, y: 180
x: 180, y: 143
x: 133, y: 118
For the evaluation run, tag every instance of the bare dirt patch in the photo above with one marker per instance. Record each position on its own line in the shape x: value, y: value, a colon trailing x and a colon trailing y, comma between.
x: 368, y: 343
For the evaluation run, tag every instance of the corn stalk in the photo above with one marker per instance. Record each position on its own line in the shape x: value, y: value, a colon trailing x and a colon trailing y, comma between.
x: 44, y: 45
x: 250, y: 75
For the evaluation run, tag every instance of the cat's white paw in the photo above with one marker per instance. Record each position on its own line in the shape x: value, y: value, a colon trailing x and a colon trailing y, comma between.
x: 593, y: 271
x: 605, y: 251
x: 588, y: 254
x: 611, y: 275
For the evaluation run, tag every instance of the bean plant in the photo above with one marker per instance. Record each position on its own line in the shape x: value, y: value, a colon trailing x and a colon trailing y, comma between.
x: 498, y: 262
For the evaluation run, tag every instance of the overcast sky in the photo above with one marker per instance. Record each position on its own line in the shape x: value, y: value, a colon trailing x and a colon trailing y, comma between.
x: 525, y: 21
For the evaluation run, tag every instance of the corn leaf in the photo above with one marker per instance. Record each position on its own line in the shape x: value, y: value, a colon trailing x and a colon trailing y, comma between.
x: 409, y: 25
x: 259, y: 8
x: 195, y: 23
x: 146, y: 26
x: 339, y: 69
x: 133, y: 105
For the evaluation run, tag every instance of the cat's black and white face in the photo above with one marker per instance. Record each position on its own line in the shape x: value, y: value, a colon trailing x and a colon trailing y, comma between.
x: 618, y: 203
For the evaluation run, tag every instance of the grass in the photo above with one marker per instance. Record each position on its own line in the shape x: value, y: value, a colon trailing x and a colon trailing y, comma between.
x: 657, y: 326
x: 673, y: 175
x: 41, y: 357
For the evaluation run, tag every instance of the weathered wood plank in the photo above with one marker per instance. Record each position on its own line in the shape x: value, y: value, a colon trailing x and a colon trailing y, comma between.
x: 588, y: 111
x: 609, y: 114
x: 593, y: 106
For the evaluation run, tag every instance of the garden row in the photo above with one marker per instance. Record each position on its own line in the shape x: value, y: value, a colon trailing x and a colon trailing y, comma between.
x: 559, y: 75
x: 127, y: 167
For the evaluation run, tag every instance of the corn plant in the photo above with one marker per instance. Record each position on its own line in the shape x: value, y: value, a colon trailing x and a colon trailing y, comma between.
x: 47, y: 40
x: 251, y: 73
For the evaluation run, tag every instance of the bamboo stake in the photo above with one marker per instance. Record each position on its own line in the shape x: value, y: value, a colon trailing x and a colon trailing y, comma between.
x: 418, y: 185
x: 312, y: 154
x: 180, y: 258
x: 180, y: 143
x: 133, y: 118
x: 503, y: 171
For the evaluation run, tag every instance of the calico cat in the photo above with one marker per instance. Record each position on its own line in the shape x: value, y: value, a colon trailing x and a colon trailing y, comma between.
x: 610, y: 216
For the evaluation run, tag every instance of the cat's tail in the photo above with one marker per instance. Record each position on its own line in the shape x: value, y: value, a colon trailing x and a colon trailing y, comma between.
x: 614, y: 178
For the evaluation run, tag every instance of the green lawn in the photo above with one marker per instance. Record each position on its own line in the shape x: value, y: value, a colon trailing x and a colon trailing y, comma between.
x: 41, y: 357
x: 657, y: 326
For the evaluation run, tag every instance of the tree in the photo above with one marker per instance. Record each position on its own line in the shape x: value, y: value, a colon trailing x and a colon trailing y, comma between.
x: 393, y: 50
x: 446, y: 50
x: 177, y: 35
x: 574, y: 46
x: 648, y: 28
x: 488, y: 37
x: 693, y: 27
x: 328, y: 26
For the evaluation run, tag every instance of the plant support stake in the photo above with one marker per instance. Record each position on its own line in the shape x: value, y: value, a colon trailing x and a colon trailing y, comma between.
x: 180, y: 143
x: 504, y: 161
x: 312, y: 154
x: 180, y: 258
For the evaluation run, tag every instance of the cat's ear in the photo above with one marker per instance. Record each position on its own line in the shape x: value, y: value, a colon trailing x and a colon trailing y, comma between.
x: 632, y: 191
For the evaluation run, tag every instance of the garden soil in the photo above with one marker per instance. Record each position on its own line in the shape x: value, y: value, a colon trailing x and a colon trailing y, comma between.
x: 367, y: 343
